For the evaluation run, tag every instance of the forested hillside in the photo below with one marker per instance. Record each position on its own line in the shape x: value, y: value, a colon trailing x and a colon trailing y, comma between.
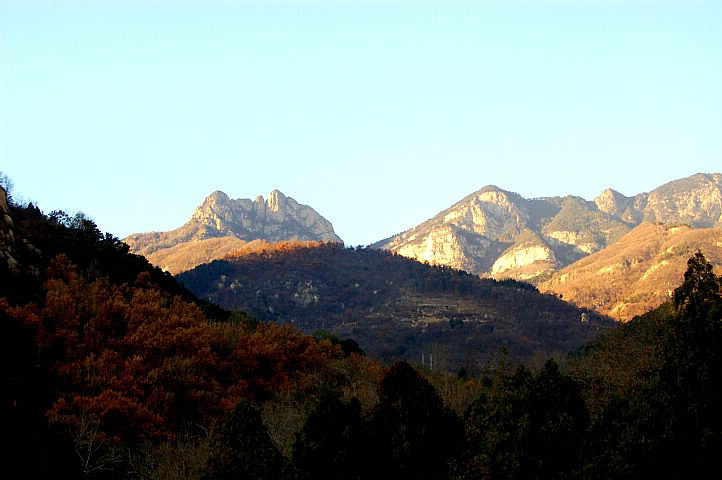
x: 111, y: 370
x: 395, y: 307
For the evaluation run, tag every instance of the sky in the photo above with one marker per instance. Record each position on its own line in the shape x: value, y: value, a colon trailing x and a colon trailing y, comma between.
x: 377, y: 114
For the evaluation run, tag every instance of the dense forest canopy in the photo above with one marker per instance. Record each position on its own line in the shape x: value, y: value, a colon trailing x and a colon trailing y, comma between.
x: 112, y: 370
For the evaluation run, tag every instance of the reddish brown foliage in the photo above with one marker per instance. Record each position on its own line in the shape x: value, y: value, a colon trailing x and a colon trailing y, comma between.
x: 263, y: 249
x: 135, y: 363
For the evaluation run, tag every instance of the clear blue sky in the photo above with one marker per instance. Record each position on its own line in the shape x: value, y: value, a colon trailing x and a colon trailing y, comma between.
x: 378, y: 114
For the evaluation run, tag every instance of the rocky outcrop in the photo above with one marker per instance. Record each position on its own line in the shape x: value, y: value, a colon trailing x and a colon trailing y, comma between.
x: 17, y: 253
x: 501, y: 234
x: 527, y: 259
x: 234, y: 221
x: 7, y: 235
x: 469, y: 235
x: 695, y: 201
x: 617, y: 205
x: 275, y: 219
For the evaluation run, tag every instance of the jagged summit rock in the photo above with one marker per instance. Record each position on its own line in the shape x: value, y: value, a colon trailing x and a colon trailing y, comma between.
x: 221, y: 224
x: 468, y: 235
x: 497, y: 233
x: 274, y: 219
x: 695, y: 201
x: 614, y: 203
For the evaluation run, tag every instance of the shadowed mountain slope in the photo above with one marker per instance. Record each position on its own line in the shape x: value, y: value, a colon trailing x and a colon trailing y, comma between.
x: 394, y: 306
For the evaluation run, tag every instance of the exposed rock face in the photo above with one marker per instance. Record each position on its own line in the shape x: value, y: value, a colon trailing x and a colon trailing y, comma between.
x: 7, y: 236
x: 277, y: 218
x: 17, y: 253
x: 525, y: 261
x: 617, y: 205
x: 450, y: 245
x: 501, y: 234
x: 696, y: 201
x: 467, y: 236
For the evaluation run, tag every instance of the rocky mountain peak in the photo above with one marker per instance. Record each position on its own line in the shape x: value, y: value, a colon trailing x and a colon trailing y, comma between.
x: 276, y: 201
x: 490, y: 189
x: 215, y: 212
x: 215, y: 202
x: 490, y: 211
x: 695, y: 200
x: 497, y: 196
x: 275, y: 219
x: 217, y: 197
x: 612, y: 202
x: 502, y: 234
x: 617, y: 205
x: 469, y: 235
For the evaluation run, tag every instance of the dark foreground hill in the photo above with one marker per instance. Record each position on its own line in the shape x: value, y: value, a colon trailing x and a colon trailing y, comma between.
x: 393, y: 306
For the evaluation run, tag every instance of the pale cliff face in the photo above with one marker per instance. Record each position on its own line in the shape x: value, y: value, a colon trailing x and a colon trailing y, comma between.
x: 617, y: 205
x: 438, y: 247
x: 275, y: 219
x: 466, y: 235
x: 276, y: 202
x: 477, y: 234
x: 695, y: 200
x: 566, y: 229
x: 523, y: 256
x: 492, y: 214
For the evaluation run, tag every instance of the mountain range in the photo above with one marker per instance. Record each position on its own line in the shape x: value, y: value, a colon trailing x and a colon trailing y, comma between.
x: 381, y: 303
x: 498, y: 234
